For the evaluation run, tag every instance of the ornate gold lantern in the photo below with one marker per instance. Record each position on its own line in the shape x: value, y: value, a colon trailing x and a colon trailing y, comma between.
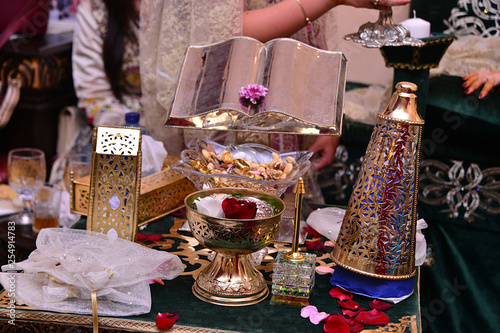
x: 377, y: 237
x: 115, y: 180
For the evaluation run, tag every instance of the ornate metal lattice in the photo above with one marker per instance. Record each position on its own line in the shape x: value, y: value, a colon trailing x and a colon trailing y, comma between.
x: 474, y: 17
x: 460, y: 190
x: 377, y: 237
x: 236, y: 236
x: 115, y: 181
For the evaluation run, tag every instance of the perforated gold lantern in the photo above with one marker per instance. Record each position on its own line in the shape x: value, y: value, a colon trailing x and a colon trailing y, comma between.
x: 115, y: 180
x: 377, y: 237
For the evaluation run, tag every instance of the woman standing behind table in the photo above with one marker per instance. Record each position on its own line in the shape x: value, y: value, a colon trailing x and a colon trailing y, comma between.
x: 106, y: 53
x: 106, y: 60
x: 171, y: 26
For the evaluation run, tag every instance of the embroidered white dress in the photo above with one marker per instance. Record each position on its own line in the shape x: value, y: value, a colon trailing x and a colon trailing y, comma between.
x: 91, y: 84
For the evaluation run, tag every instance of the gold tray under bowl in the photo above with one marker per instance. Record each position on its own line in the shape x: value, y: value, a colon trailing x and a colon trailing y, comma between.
x: 160, y: 194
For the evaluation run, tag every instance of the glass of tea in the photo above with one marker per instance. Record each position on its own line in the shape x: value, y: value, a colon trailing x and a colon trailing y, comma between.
x: 47, y: 207
x: 79, y: 164
x: 26, y: 174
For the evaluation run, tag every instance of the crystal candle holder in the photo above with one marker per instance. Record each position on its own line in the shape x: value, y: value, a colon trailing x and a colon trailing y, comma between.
x: 293, y: 281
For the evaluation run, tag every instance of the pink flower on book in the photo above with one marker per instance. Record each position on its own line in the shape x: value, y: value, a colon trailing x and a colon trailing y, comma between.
x: 253, y: 92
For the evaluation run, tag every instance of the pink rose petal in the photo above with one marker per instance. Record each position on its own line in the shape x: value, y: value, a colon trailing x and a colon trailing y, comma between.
x: 314, y: 316
x: 323, y: 270
x: 318, y: 317
x: 305, y: 312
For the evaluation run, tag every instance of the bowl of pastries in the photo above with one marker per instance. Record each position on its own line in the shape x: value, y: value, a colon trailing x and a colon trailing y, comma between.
x: 252, y: 166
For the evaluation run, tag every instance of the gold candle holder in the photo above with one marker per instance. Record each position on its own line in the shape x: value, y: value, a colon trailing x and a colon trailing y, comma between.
x: 293, y: 271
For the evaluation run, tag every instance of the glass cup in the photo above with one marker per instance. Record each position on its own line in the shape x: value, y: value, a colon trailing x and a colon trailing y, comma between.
x: 47, y: 208
x: 26, y: 171
x: 79, y: 164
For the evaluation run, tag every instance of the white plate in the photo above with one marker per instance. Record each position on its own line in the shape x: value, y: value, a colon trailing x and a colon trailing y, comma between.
x: 8, y: 207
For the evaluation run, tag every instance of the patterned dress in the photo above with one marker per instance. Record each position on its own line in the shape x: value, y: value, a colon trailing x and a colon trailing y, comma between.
x: 91, y: 84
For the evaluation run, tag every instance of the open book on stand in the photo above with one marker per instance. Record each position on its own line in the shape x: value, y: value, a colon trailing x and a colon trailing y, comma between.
x: 305, y: 88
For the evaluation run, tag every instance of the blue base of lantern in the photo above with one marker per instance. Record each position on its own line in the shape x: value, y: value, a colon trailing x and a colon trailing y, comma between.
x: 392, y: 290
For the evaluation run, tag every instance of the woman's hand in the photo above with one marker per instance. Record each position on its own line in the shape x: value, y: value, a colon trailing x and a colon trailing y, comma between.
x: 475, y: 80
x: 262, y: 24
x: 384, y: 5
x: 324, y: 148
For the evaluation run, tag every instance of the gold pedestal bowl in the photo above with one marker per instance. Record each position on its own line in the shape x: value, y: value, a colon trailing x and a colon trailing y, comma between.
x: 231, y: 279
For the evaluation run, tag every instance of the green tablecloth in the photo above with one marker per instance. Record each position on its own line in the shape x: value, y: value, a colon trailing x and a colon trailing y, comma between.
x: 195, y: 315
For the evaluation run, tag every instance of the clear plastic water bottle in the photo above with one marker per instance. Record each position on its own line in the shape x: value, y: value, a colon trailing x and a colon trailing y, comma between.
x: 132, y: 120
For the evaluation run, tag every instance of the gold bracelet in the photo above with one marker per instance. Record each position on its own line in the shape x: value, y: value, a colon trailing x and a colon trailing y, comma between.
x: 308, y: 21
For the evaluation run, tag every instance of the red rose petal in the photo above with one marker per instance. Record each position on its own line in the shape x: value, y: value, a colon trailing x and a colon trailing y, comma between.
x: 166, y: 320
x: 373, y: 317
x: 357, y: 327
x: 179, y: 212
x: 351, y: 313
x: 154, y: 238
x: 335, y: 324
x: 239, y: 209
x: 349, y: 305
x: 340, y: 294
x: 329, y: 244
x: 313, y: 232
x: 348, y: 321
x: 151, y: 238
x: 380, y: 305
x: 316, y: 246
x: 157, y: 281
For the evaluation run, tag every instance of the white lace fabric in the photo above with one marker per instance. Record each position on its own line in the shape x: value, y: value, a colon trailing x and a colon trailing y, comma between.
x: 364, y: 104
x: 468, y: 54
x: 69, y: 264
x: 328, y: 221
x: 168, y: 28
